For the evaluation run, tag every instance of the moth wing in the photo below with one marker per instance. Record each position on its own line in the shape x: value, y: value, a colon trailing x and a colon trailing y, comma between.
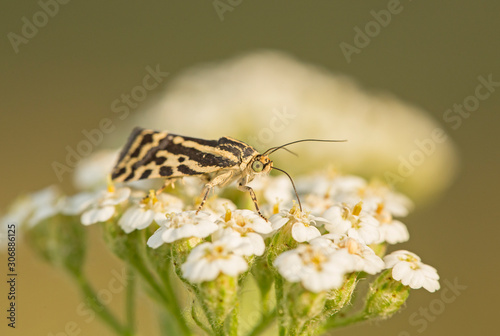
x: 152, y: 154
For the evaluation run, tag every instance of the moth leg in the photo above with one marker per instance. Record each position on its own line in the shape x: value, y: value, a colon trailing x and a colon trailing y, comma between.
x: 217, y: 180
x: 243, y: 187
x: 167, y: 183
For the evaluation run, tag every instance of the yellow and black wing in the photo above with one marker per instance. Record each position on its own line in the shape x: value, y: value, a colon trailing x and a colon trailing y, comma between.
x: 153, y: 154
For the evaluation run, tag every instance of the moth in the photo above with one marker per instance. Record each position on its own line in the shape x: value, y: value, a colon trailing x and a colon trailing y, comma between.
x: 154, y: 154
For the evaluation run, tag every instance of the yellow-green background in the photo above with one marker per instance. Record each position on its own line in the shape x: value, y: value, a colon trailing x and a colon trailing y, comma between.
x: 65, y: 78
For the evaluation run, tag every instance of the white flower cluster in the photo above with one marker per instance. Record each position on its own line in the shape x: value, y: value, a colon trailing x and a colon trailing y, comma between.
x: 342, y: 218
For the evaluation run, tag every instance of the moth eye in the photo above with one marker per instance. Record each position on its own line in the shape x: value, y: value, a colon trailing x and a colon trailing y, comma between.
x: 257, y: 166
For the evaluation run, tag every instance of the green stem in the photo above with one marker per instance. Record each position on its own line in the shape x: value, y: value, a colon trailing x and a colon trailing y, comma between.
x: 130, y: 299
x: 99, y: 308
x: 167, y: 298
x: 199, y: 296
x: 233, y: 320
x: 266, y: 302
x: 174, y: 301
x: 198, y: 322
x: 342, y: 322
x: 264, y: 323
x: 280, y: 305
x: 217, y: 328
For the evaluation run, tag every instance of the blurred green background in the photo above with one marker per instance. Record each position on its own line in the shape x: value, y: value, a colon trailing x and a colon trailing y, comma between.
x: 64, y: 79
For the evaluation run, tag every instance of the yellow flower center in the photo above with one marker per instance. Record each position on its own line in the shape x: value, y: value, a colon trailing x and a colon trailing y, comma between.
x: 227, y: 216
x: 357, y: 209
x: 219, y: 252
x: 352, y: 246
x: 150, y: 198
x: 276, y: 208
x: 111, y: 186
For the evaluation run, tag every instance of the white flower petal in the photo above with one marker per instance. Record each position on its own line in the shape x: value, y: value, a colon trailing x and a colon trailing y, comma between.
x: 257, y: 242
x: 321, y: 281
x: 289, y: 265
x: 95, y: 215
x: 156, y: 239
x: 197, y: 271
x: 303, y: 233
x: 393, y: 232
x: 76, y: 204
x: 402, y: 272
x: 431, y: 285
x: 277, y: 221
x: 136, y: 218
x: 337, y: 224
x: 233, y: 265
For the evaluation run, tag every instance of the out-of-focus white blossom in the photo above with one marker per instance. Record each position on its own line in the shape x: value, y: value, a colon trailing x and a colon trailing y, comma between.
x: 98, y: 206
x: 92, y: 172
x: 29, y: 210
x: 275, y: 189
x: 269, y: 98
x: 44, y: 204
x: 376, y: 193
x: 218, y: 206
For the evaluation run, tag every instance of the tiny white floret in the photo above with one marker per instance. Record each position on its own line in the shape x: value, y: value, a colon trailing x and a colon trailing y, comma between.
x: 312, y: 266
x: 207, y: 260
x: 407, y: 268
x: 304, y: 225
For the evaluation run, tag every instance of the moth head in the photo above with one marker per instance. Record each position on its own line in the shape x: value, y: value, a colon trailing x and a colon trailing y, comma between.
x: 261, y: 164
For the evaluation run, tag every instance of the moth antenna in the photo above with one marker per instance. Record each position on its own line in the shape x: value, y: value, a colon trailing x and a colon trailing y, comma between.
x: 293, y: 185
x: 274, y: 149
x: 289, y: 151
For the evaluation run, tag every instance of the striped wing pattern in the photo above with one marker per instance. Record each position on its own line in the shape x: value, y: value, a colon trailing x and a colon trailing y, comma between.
x: 154, y: 154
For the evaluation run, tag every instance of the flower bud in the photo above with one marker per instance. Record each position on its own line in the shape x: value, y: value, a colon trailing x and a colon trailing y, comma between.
x: 61, y: 241
x: 220, y: 297
x: 122, y: 244
x: 386, y: 296
x: 338, y: 298
x: 303, y: 305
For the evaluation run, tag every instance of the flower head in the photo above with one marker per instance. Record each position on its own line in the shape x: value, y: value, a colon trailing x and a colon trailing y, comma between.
x: 44, y: 204
x: 275, y: 189
x: 245, y: 221
x: 35, y: 207
x: 207, y: 260
x: 303, y: 225
x: 312, y: 265
x: 391, y: 230
x: 351, y: 254
x: 150, y: 208
x: 246, y: 224
x: 353, y: 221
x: 376, y: 193
x: 29, y: 210
x: 98, y: 206
x: 218, y: 206
x: 407, y: 268
x: 180, y: 225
